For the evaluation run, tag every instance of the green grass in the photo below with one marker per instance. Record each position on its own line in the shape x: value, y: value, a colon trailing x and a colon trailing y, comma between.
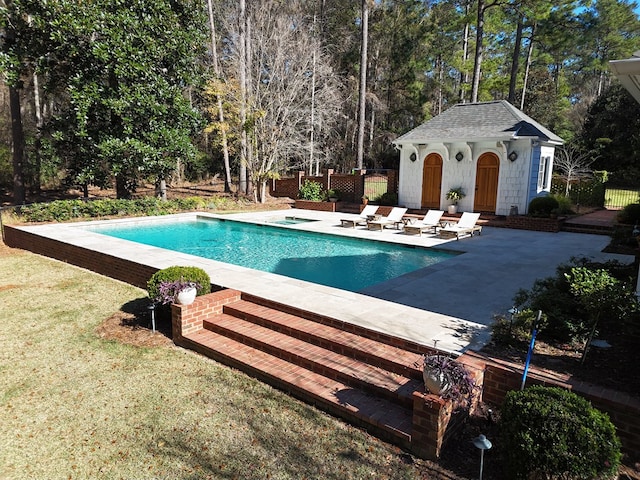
x: 73, y: 405
x: 620, y: 198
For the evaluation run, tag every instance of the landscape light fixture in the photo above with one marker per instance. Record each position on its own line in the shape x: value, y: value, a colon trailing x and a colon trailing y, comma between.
x: 481, y: 442
x: 512, y: 312
x: 513, y: 155
x: 152, y: 310
x: 413, y: 157
x: 459, y: 156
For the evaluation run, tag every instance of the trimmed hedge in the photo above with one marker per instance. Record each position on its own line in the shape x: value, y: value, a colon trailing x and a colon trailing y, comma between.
x: 630, y: 214
x: 176, y: 273
x: 64, y: 210
x: 554, y: 433
x: 388, y: 199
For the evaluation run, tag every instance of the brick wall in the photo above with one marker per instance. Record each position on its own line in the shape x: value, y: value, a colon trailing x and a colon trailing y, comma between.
x: 125, y: 270
x: 431, y: 417
x: 187, y: 319
x: 351, y: 186
x: 311, y: 205
x: 524, y: 222
x: 501, y: 377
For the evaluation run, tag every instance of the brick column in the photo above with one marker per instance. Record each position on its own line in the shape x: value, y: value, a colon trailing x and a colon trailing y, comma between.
x: 326, y: 178
x: 431, y: 415
x: 187, y: 319
x: 358, y: 184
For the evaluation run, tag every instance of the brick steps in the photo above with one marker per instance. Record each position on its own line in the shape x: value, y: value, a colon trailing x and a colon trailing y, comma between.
x: 584, y: 228
x: 382, y: 417
x: 344, y: 369
x: 374, y: 352
x: 370, y: 379
x: 358, y: 375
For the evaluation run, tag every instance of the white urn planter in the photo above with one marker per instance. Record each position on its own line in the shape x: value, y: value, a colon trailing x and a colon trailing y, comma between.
x: 186, y: 296
x: 452, y: 209
x: 435, y: 382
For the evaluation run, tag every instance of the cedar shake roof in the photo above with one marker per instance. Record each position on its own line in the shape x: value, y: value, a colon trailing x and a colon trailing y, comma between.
x: 471, y: 122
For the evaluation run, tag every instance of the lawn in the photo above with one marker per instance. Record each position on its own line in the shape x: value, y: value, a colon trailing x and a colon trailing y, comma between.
x: 74, y: 405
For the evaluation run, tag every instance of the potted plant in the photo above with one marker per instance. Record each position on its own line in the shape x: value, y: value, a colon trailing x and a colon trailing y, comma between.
x: 178, y: 291
x: 333, y: 195
x: 177, y: 278
x: 455, y: 194
x: 448, y: 378
x: 365, y: 199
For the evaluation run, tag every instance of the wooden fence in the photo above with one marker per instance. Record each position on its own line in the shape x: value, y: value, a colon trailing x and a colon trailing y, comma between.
x: 351, y: 187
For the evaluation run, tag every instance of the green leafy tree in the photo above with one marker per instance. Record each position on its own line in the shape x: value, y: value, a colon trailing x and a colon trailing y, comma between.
x: 612, y: 129
x: 120, y: 70
x: 18, y: 57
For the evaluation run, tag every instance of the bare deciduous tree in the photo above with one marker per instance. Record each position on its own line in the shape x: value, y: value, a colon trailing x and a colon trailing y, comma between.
x: 573, y: 164
x: 282, y: 85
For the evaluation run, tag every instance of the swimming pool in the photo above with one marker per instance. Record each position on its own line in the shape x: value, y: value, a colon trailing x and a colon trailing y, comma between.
x: 331, y: 260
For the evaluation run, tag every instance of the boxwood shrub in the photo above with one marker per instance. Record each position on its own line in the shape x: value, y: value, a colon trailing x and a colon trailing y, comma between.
x: 549, y: 432
x: 542, y: 206
x: 388, y: 198
x: 175, y: 273
x: 630, y: 214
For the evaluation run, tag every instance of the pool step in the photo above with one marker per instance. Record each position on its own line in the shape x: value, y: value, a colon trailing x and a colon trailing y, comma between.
x: 366, y: 380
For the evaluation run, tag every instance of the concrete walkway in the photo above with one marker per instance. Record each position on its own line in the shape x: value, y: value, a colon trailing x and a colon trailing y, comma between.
x: 449, y: 304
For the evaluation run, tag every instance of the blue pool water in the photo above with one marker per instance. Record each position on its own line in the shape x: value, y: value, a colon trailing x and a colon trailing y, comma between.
x: 332, y: 260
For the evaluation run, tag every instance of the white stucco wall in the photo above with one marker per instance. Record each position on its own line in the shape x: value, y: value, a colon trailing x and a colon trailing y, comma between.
x: 515, y: 181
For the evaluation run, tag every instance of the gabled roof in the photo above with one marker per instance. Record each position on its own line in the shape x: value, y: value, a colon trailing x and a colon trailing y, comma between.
x: 628, y: 72
x: 470, y: 122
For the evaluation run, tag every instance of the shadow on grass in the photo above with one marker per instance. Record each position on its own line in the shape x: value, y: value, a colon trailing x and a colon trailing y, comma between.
x: 281, y: 438
x: 133, y: 325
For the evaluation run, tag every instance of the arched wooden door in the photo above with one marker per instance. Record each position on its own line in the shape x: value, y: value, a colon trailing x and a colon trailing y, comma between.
x: 431, y: 181
x: 487, y: 183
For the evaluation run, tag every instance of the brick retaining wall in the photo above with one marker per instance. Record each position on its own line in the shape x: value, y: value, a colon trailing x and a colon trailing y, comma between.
x: 501, y: 377
x: 186, y: 319
x: 311, y: 205
x: 524, y: 222
x: 125, y: 270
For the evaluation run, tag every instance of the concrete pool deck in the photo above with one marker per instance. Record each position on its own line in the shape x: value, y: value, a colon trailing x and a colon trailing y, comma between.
x: 448, y: 305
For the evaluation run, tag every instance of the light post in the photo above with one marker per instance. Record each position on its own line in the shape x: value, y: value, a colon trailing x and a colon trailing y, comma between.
x: 152, y: 310
x: 482, y: 443
x: 512, y: 312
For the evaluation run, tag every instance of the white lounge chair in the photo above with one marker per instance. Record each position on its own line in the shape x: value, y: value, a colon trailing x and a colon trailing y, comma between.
x: 361, y: 219
x: 394, y: 218
x: 465, y: 226
x: 431, y: 221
